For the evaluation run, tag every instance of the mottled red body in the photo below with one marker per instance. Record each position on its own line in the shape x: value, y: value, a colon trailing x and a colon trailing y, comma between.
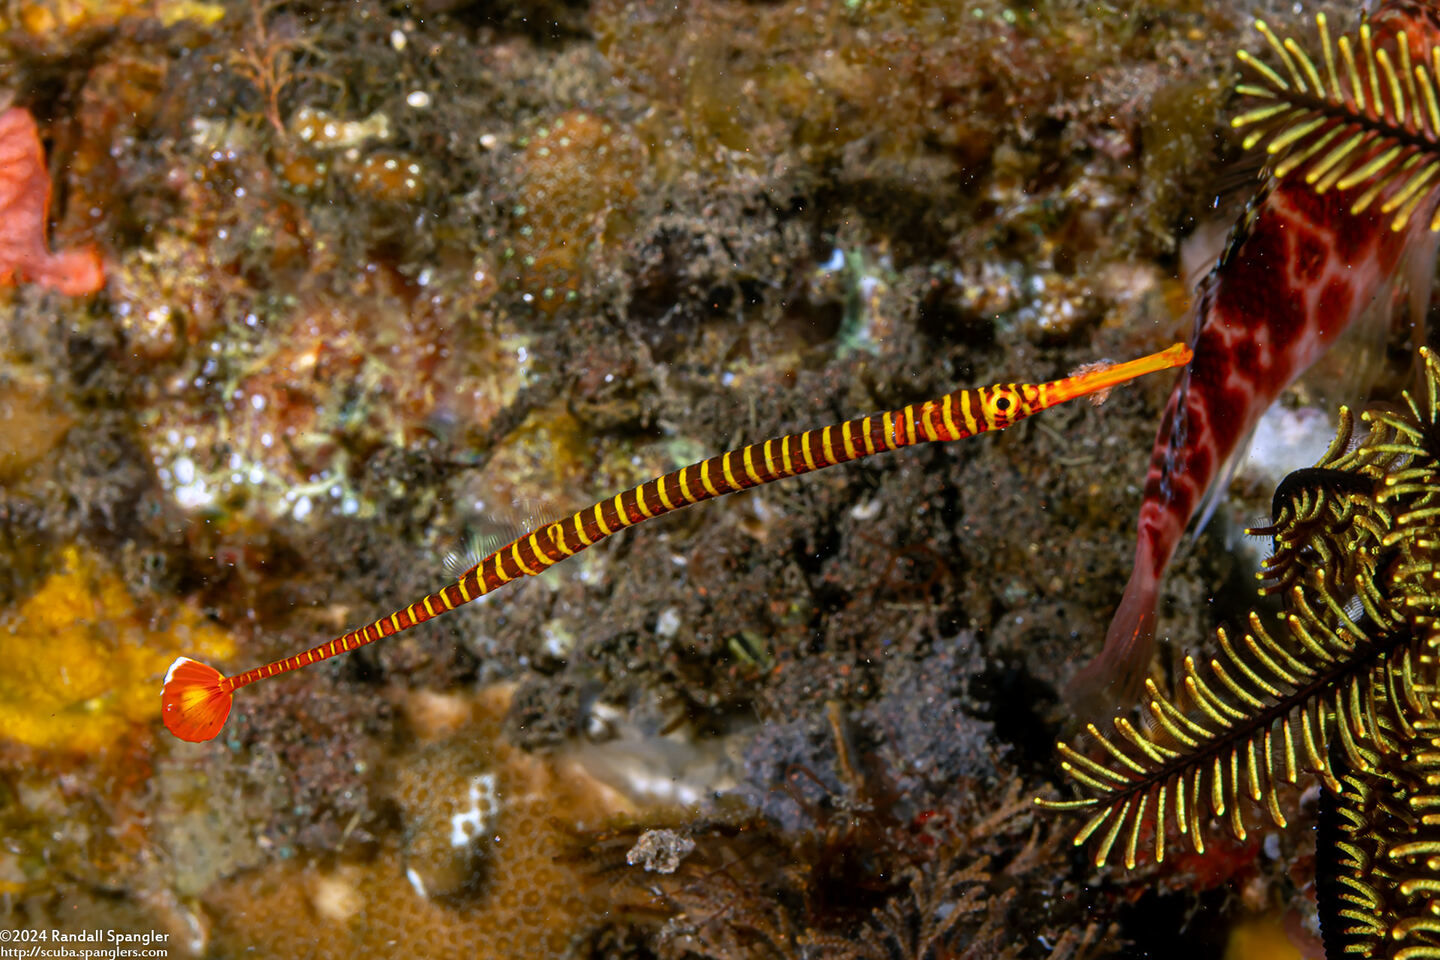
x: 1300, y: 269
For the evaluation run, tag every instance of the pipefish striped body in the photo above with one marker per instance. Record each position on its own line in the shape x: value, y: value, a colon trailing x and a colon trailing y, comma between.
x: 196, y: 698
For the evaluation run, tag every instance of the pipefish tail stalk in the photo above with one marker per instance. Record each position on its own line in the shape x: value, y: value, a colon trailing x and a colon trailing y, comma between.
x: 196, y: 698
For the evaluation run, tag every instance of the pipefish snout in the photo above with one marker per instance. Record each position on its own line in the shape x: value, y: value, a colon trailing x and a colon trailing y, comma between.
x: 195, y: 698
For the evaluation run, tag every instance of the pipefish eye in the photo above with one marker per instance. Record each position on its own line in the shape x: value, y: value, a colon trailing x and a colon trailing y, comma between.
x: 1001, y: 405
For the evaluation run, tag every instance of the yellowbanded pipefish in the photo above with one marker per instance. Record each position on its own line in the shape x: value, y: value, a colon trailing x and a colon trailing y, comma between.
x: 196, y: 698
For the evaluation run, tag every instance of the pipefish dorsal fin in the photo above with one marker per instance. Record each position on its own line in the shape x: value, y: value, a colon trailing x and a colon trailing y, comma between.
x: 494, y: 524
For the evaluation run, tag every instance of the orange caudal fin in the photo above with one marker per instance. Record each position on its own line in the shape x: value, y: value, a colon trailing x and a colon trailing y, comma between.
x: 1113, y: 680
x: 192, y: 702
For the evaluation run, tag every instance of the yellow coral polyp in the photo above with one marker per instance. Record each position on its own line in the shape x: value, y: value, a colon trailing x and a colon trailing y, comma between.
x: 81, y: 663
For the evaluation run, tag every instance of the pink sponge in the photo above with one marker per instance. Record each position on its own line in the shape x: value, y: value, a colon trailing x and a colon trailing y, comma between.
x: 24, y: 206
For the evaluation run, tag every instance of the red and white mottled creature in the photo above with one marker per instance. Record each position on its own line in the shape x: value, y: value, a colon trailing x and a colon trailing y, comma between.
x: 1328, y: 242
